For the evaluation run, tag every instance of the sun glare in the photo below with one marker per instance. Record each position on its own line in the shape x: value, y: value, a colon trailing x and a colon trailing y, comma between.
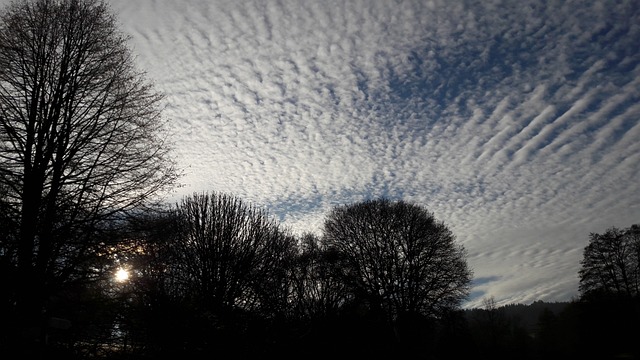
x: 122, y: 275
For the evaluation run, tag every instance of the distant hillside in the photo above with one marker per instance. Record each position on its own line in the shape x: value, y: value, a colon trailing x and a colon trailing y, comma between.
x: 524, y: 315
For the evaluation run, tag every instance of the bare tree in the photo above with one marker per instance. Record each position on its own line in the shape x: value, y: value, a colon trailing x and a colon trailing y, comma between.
x: 229, y: 255
x: 318, y: 289
x: 81, y: 133
x: 401, y: 258
x: 611, y: 262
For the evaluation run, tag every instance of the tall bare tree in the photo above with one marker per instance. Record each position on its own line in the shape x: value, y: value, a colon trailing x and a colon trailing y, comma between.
x: 401, y: 258
x: 81, y: 133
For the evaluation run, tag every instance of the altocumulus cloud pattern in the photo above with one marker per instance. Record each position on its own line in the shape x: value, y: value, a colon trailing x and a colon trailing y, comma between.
x: 515, y: 122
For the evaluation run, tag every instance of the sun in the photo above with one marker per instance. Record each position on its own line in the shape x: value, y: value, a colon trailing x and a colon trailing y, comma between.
x: 122, y: 275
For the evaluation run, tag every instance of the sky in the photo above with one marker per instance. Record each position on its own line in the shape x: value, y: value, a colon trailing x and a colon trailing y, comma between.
x: 515, y: 122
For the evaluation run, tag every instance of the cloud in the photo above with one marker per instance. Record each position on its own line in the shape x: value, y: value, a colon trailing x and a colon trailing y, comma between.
x: 516, y: 123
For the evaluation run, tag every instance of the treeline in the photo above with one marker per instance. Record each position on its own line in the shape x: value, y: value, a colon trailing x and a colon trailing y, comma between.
x: 215, y: 276
x: 601, y: 328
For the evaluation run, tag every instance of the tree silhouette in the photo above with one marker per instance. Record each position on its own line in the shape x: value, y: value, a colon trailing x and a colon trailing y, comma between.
x: 226, y: 251
x: 609, y: 286
x: 402, y: 263
x: 318, y: 288
x: 403, y: 258
x: 611, y: 263
x: 225, y: 267
x: 81, y: 138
